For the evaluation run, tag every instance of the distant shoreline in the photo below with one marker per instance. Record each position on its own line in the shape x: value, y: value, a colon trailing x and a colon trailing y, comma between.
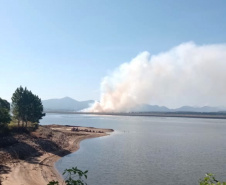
x: 207, y: 115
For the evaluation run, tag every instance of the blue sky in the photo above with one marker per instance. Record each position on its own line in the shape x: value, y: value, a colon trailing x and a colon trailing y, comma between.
x: 65, y: 48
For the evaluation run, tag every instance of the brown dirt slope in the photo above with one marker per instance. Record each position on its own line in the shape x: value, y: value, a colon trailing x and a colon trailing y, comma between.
x: 28, y: 158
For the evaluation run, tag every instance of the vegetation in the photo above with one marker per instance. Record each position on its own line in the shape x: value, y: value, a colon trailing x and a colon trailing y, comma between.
x: 5, y: 117
x: 26, y: 107
x: 74, y: 173
x: 27, y: 110
x: 209, y: 179
x: 73, y: 177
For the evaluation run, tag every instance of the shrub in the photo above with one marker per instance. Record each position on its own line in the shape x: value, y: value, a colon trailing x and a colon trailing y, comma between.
x: 74, y: 176
x: 209, y: 179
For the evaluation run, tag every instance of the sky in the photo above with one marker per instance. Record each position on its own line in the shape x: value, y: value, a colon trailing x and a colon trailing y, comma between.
x: 66, y: 48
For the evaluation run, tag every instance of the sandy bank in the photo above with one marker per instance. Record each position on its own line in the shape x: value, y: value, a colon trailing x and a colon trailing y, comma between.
x: 45, y: 147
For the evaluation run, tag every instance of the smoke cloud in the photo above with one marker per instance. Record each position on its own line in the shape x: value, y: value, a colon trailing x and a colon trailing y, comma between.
x: 185, y: 75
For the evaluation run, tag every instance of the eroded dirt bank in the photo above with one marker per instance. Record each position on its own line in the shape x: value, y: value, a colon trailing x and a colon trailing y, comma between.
x: 27, y: 159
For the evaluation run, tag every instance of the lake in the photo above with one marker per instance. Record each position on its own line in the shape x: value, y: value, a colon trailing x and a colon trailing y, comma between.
x: 147, y: 150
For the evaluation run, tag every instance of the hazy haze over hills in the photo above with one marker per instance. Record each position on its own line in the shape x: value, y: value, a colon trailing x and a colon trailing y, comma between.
x: 65, y: 104
x: 69, y: 104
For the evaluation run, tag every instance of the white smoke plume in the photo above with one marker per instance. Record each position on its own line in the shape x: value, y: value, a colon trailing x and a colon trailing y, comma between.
x: 185, y: 75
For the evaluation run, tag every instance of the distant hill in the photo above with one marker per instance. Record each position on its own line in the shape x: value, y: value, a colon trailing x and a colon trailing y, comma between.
x: 199, y: 109
x: 65, y: 104
x: 150, y: 108
x: 69, y: 104
x: 156, y: 108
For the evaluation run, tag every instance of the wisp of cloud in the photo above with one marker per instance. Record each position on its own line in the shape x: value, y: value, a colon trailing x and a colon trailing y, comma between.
x: 185, y: 75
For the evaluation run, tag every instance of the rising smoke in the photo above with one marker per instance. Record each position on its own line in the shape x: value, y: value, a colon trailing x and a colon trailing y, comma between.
x: 185, y: 75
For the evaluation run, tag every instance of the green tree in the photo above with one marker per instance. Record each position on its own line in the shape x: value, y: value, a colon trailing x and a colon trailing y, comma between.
x: 209, y: 179
x: 5, y: 117
x: 26, y: 106
x: 74, y: 176
x: 4, y: 104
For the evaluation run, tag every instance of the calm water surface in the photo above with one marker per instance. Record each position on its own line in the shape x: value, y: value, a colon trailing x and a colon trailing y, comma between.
x: 147, y: 150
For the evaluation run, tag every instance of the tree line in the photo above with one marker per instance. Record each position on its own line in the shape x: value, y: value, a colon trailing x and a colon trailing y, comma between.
x: 25, y: 108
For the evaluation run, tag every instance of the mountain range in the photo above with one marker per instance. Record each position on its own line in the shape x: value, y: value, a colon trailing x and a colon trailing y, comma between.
x: 68, y: 104
x: 156, y: 108
x: 65, y: 104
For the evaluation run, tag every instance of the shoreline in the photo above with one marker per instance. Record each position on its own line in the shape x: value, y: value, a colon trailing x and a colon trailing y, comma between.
x: 41, y: 170
x: 204, y: 115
